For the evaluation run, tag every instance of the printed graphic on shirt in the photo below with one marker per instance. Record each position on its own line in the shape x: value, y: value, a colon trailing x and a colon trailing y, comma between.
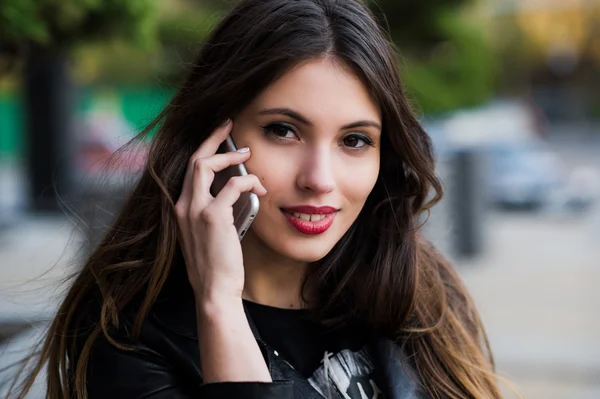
x: 346, y: 375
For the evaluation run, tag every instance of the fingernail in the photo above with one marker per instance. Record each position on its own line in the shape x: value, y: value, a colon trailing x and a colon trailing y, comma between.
x: 227, y: 122
x: 244, y: 150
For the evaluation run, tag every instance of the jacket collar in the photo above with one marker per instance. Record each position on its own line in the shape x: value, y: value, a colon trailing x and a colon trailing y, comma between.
x: 401, y: 378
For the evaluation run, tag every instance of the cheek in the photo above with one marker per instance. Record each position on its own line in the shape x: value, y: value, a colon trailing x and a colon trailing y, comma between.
x: 269, y: 168
x: 358, y: 189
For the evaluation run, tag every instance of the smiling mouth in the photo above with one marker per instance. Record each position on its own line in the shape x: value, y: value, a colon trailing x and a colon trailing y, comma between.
x: 311, y: 223
x: 307, y: 217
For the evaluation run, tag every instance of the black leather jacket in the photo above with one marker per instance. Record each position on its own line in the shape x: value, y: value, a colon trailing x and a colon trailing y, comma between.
x: 166, y: 361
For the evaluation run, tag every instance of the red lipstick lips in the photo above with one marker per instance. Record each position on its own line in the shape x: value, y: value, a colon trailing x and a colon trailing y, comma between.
x: 312, y: 210
x: 310, y: 220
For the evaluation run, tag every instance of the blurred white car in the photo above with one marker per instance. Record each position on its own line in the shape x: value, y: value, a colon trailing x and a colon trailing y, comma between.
x: 528, y: 174
x: 524, y: 174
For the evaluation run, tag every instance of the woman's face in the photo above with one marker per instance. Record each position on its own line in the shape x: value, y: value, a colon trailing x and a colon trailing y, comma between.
x: 314, y: 136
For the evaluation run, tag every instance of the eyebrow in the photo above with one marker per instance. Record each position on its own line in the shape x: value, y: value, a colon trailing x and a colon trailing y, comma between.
x: 294, y: 115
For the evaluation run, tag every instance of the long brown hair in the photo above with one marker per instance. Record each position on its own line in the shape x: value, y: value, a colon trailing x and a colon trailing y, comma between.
x: 381, y: 273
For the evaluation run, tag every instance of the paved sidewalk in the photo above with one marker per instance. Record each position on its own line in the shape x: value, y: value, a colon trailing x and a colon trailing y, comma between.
x: 35, y: 256
x: 537, y: 290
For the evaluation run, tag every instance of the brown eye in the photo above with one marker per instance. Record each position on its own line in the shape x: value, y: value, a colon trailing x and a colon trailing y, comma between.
x: 279, y: 130
x: 356, y: 141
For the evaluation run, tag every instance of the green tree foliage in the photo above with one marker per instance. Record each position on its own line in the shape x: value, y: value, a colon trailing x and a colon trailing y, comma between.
x: 416, y: 24
x: 447, y: 62
x: 459, y: 72
x: 62, y: 23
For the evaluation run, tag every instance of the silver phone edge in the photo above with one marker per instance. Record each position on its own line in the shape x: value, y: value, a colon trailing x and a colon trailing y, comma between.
x: 254, y: 204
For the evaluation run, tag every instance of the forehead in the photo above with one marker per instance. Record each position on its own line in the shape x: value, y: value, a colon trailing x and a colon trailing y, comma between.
x: 321, y: 89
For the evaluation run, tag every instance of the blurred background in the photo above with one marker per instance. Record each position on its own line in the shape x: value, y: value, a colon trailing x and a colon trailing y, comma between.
x: 509, y: 91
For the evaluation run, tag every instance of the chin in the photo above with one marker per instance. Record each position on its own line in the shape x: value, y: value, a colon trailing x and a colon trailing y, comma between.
x: 303, y: 249
x: 305, y: 252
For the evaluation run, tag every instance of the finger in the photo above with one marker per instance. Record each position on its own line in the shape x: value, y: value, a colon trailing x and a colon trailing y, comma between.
x: 182, y: 205
x: 237, y: 185
x: 211, y: 144
x: 218, y: 162
x: 207, y: 148
x: 204, y: 174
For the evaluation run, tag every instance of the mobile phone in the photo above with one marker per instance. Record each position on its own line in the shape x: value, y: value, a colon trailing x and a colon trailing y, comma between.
x: 246, y: 207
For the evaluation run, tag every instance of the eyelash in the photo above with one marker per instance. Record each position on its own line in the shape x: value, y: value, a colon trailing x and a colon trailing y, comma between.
x: 367, y: 140
x: 268, y: 129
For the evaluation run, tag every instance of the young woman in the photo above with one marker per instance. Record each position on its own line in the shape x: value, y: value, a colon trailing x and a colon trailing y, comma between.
x: 332, y: 293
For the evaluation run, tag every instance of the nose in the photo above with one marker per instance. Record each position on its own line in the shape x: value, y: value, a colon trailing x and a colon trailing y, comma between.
x: 316, y: 172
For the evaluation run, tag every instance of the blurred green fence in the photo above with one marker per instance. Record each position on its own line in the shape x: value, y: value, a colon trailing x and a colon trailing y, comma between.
x: 139, y: 105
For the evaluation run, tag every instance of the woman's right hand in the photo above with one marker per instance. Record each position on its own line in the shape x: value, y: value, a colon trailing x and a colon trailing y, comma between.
x: 209, y: 240
x: 214, y: 262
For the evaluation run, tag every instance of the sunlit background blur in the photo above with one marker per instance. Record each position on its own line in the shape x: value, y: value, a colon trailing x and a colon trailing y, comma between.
x: 509, y: 91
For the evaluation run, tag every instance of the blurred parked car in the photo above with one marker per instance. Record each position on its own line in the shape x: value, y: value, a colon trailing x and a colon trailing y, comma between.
x: 528, y: 174
x: 499, y: 120
x: 524, y: 174
x: 520, y: 169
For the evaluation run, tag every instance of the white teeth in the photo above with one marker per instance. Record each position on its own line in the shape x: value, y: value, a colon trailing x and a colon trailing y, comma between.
x: 307, y: 217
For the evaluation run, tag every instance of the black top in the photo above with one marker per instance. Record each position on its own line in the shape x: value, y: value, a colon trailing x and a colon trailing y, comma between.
x: 305, y: 344
x: 164, y: 362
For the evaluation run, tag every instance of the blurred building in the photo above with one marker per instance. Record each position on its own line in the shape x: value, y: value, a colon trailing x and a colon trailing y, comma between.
x: 552, y: 47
